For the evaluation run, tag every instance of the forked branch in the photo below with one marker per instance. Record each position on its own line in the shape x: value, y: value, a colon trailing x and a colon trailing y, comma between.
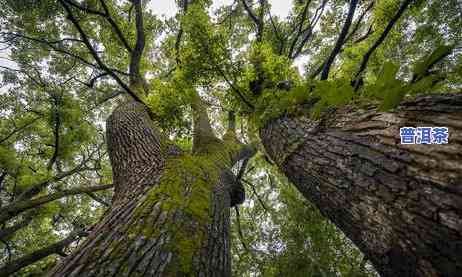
x: 380, y: 40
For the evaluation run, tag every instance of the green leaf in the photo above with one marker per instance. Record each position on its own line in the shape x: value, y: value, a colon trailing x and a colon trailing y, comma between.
x: 428, y: 61
x: 392, y: 98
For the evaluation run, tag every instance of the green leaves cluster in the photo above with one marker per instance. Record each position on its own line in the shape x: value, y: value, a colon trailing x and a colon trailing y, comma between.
x: 169, y: 103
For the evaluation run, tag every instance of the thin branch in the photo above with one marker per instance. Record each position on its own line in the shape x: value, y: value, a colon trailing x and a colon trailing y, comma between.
x: 94, y: 79
x: 340, y: 40
x: 230, y: 14
x: 308, y: 31
x: 55, y: 248
x: 107, y: 15
x: 231, y: 121
x: 93, y: 52
x: 318, y: 13
x: 261, y: 16
x: 234, y: 88
x: 84, y: 8
x: 56, y: 49
x: 98, y: 199
x: 304, y: 15
x: 57, y: 125
x: 281, y: 39
x: 180, y: 33
x: 358, y: 40
x: 6, y: 233
x: 239, y: 230
x: 17, y: 207
x: 359, y: 21
x: 64, y: 51
x: 135, y: 75
x: 109, y: 97
x: 35, y: 189
x: 115, y: 27
x: 256, y: 194
x: 250, y: 13
x: 365, y: 36
x: 19, y: 129
x: 380, y: 40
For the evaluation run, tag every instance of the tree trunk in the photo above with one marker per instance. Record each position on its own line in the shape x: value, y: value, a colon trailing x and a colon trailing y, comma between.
x: 170, y: 211
x: 400, y: 204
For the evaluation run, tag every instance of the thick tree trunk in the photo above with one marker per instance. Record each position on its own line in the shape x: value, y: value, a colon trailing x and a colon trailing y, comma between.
x: 400, y: 204
x: 170, y: 211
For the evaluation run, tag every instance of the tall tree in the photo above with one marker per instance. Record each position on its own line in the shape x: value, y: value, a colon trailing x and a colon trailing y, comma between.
x: 400, y: 204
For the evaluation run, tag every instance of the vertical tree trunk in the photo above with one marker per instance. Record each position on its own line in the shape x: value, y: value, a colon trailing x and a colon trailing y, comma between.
x: 170, y: 211
x: 400, y: 204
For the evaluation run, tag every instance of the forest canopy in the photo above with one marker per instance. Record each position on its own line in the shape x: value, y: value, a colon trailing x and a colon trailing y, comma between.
x: 66, y: 65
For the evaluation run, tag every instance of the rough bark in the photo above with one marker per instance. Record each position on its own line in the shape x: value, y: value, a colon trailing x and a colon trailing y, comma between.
x: 400, y: 204
x: 170, y: 212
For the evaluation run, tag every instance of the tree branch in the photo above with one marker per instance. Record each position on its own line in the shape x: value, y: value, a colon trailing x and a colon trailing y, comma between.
x: 6, y: 233
x: 250, y: 13
x: 281, y: 39
x: 17, y: 207
x: 340, y: 40
x: 260, y: 27
x: 180, y: 34
x: 98, y: 60
x: 57, y: 120
x: 304, y: 15
x: 98, y: 199
x: 365, y: 36
x: 84, y: 9
x: 358, y: 22
x: 105, y: 15
x: 135, y: 75
x: 55, y: 248
x: 202, y: 131
x: 115, y: 27
x: 19, y: 129
x: 35, y: 189
x: 308, y: 32
x: 239, y: 231
x: 234, y: 88
x: 380, y: 40
x: 231, y: 121
x: 256, y: 195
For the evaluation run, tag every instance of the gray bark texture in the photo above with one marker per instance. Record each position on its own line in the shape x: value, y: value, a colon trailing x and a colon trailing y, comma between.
x: 400, y: 204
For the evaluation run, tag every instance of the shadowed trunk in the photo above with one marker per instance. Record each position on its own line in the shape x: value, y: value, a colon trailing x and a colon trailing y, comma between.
x: 170, y: 211
x: 400, y: 204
